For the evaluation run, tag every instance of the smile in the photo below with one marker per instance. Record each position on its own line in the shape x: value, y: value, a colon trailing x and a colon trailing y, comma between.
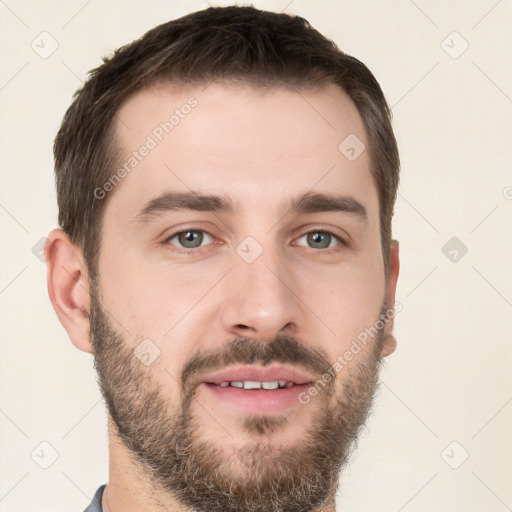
x: 251, y: 384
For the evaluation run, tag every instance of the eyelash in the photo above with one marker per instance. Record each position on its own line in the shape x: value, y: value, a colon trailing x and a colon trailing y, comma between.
x: 167, y: 240
x: 339, y: 246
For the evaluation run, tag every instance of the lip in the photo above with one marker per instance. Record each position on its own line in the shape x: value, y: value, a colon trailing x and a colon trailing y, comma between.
x: 259, y: 374
x: 255, y: 402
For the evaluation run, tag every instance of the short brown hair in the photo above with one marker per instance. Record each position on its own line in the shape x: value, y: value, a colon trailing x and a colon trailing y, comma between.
x: 219, y: 43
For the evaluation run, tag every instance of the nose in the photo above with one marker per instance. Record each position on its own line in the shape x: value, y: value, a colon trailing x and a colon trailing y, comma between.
x: 261, y: 299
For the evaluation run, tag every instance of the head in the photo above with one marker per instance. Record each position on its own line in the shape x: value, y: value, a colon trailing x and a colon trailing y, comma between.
x: 213, y: 220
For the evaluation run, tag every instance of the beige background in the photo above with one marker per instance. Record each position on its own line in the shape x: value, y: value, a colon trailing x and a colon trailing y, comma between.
x: 450, y: 379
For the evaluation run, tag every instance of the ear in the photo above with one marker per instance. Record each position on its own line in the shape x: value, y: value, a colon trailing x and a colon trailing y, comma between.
x: 389, y: 343
x: 68, y: 287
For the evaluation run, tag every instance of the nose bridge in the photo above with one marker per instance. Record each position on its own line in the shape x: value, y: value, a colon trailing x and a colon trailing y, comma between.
x: 260, y: 302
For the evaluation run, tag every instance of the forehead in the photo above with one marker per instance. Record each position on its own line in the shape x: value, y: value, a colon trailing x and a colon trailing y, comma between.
x: 250, y: 144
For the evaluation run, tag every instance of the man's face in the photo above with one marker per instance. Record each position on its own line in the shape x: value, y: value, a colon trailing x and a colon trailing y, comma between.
x: 271, y: 278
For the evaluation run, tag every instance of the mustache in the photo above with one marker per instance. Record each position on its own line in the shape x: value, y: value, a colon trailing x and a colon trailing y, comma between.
x: 246, y: 351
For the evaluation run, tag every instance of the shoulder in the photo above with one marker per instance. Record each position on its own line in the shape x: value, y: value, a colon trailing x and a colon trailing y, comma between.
x: 95, y: 505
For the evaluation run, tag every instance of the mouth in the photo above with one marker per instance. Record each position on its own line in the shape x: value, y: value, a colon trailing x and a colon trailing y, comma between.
x: 252, y: 384
x: 259, y: 377
x: 256, y: 390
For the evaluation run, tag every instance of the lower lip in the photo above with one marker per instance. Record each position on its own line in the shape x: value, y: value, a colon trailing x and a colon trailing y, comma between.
x: 257, y: 401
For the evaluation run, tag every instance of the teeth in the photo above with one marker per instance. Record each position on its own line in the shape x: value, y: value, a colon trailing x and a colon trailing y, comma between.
x: 251, y: 384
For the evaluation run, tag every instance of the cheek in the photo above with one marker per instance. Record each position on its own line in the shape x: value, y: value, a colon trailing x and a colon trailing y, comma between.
x: 166, y: 304
x: 345, y: 301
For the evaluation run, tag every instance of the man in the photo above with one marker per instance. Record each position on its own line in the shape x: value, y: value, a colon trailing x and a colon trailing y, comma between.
x: 226, y: 185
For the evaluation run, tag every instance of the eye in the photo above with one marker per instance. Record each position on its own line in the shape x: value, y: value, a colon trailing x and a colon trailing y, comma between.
x: 320, y: 240
x: 190, y: 238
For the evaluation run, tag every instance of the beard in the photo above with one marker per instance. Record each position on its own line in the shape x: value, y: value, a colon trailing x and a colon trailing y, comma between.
x: 258, y: 476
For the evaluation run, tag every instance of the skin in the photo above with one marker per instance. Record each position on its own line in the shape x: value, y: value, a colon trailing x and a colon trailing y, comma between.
x: 260, y: 148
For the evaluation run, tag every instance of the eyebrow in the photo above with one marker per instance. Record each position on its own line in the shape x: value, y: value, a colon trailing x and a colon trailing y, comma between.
x: 314, y: 202
x: 173, y: 201
x: 311, y: 202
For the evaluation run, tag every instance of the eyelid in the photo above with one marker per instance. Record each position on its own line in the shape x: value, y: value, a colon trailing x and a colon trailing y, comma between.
x: 180, y: 228
x: 337, y: 243
x: 167, y: 238
x: 341, y: 239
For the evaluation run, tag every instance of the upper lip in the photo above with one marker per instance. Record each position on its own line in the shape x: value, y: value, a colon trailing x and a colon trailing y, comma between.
x: 259, y: 374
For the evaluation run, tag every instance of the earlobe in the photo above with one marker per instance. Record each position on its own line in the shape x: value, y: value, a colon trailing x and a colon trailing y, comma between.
x: 389, y: 342
x: 68, y: 287
x: 388, y: 345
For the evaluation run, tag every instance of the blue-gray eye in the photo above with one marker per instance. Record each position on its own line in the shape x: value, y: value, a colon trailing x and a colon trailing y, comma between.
x: 191, y: 238
x: 320, y: 239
